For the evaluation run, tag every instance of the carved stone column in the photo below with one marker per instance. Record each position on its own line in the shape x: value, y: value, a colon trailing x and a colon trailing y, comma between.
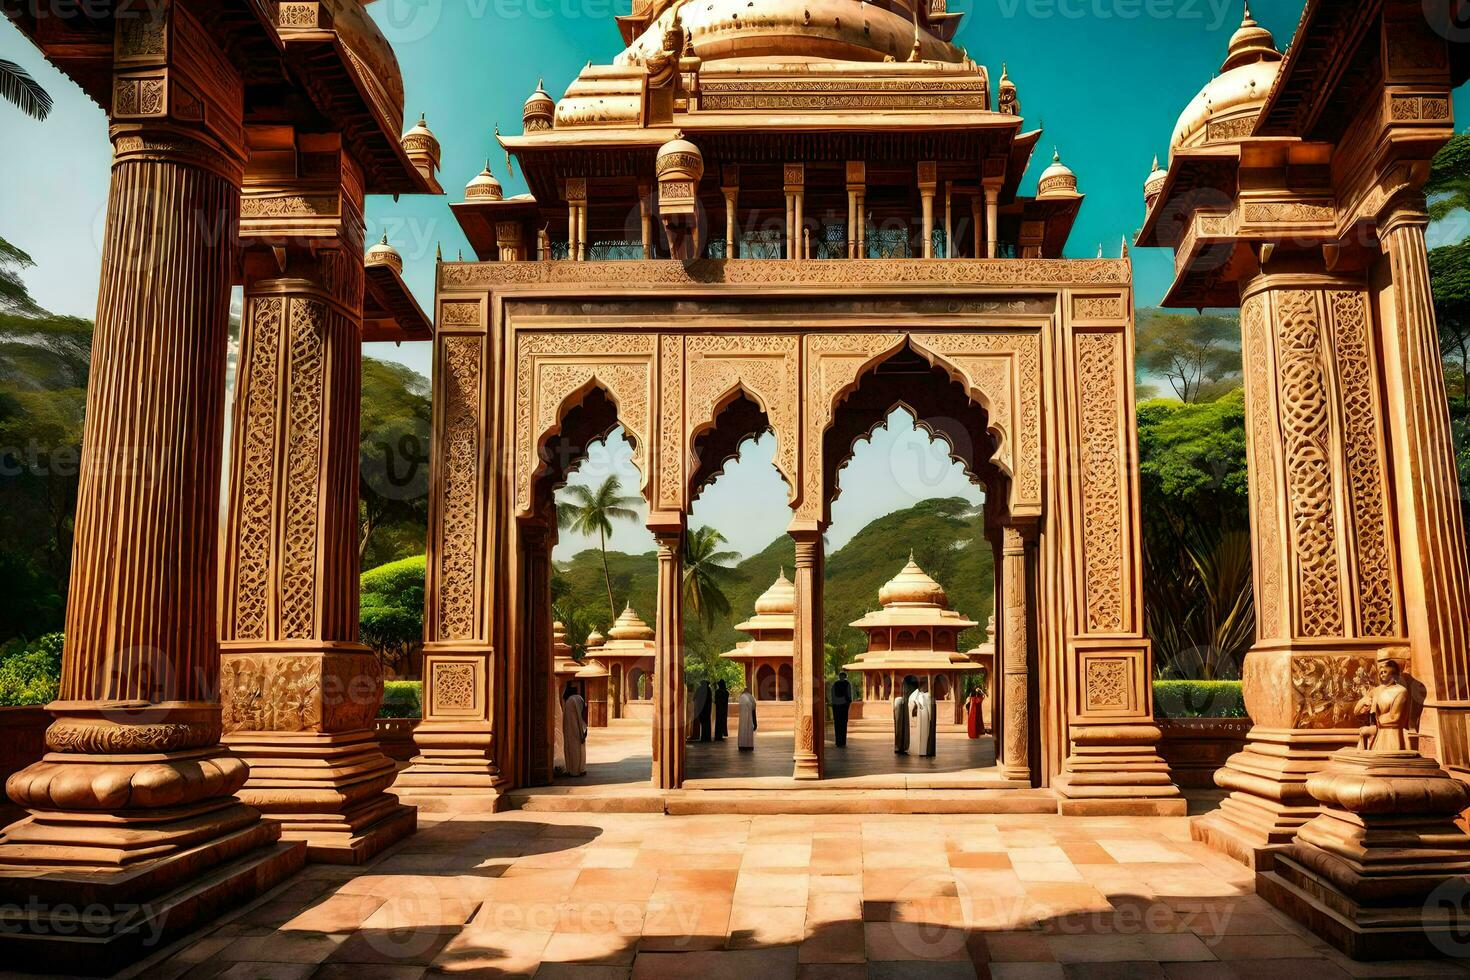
x: 1430, y: 526
x: 537, y: 541
x: 794, y: 179
x: 856, y: 181
x: 669, y: 719
x: 299, y: 692
x: 645, y: 218
x: 928, y: 187
x: 730, y: 187
x: 576, y: 194
x: 1014, y: 755
x: 133, y: 821
x: 992, y: 221
x: 510, y: 241
x: 809, y: 655
x: 1325, y: 572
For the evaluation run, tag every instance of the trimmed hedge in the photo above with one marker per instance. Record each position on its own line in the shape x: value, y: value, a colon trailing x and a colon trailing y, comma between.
x: 402, y: 699
x: 30, y: 674
x: 1198, y: 699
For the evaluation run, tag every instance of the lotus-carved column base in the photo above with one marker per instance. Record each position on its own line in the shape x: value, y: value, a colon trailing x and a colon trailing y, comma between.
x: 301, y: 715
x: 454, y: 771
x: 1301, y: 695
x: 327, y: 789
x: 1116, y: 769
x: 134, y: 837
x: 1380, y: 871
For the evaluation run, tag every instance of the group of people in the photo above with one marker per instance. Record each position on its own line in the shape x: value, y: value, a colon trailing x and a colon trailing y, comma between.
x: 709, y: 715
x: 915, y: 724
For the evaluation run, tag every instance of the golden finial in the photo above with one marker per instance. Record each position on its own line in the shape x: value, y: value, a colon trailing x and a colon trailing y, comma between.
x: 438, y: 252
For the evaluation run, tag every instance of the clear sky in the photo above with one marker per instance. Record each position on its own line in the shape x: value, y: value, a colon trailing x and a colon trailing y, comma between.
x: 1105, y: 79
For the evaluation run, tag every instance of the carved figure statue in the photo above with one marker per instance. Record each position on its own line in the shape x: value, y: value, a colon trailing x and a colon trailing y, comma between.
x: 1387, y: 707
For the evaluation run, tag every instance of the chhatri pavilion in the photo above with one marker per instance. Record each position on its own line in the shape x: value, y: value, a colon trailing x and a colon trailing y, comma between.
x: 766, y: 656
x: 915, y: 633
x: 782, y: 216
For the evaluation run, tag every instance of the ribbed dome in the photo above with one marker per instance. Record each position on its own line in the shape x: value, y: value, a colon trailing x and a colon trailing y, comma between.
x: 1154, y: 183
x: 913, y: 586
x: 779, y: 599
x: 1226, y: 109
x: 594, y: 639
x: 421, y: 142
x: 630, y: 627
x: 484, y: 187
x: 538, y: 112
x: 384, y: 254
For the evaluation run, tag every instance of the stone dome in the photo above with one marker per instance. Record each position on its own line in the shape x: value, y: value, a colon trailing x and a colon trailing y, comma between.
x: 912, y: 587
x: 372, y: 54
x: 630, y: 627
x: 814, y: 30
x: 1154, y: 183
x: 484, y: 187
x: 779, y: 599
x: 594, y: 639
x: 385, y: 254
x: 539, y: 111
x: 1057, y: 180
x: 420, y: 142
x: 1227, y: 107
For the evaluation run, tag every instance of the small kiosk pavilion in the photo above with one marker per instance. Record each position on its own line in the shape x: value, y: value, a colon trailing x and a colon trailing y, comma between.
x: 915, y: 632
x: 766, y: 656
x: 628, y: 655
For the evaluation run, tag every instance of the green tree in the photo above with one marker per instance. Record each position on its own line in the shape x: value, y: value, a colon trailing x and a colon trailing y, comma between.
x: 1198, y: 355
x: 707, y: 572
x: 588, y: 511
x: 24, y: 92
x: 1448, y: 185
x: 1448, y: 189
x: 391, y: 611
x: 30, y: 673
x: 14, y: 297
x: 393, y: 463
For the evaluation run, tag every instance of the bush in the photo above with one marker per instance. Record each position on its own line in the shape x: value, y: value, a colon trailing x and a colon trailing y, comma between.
x: 1198, y: 699
x: 30, y: 674
x: 391, y: 610
x: 402, y: 699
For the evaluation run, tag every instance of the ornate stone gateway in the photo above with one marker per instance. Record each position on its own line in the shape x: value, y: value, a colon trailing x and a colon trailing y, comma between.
x: 1011, y: 361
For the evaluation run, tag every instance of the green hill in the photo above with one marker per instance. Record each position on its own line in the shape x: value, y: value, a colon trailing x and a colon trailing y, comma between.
x: 945, y: 535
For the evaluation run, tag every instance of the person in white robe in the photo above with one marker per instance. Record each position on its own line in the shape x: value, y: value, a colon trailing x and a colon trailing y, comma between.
x: 921, y: 724
x: 559, y: 740
x: 746, y: 737
x: 574, y: 731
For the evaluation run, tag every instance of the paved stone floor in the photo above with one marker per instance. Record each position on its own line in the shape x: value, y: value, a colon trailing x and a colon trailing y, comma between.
x: 562, y: 896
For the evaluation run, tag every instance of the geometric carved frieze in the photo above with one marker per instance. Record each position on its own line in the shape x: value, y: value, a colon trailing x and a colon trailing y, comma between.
x: 1262, y: 458
x: 455, y: 688
x: 672, y: 398
x: 554, y: 366
x: 462, y: 447
x: 1111, y: 680
x: 765, y: 368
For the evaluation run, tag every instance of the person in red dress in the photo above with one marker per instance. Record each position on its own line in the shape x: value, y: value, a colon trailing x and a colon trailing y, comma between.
x: 972, y: 715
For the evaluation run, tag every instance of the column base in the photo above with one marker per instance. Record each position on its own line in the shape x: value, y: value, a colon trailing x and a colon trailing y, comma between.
x: 455, y: 771
x: 80, y: 893
x: 325, y: 789
x: 1380, y: 872
x: 1268, y: 802
x: 806, y: 767
x: 1116, y: 770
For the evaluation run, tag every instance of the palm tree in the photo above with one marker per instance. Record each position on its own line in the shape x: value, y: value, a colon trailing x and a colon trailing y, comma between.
x: 17, y: 86
x: 590, y: 512
x: 706, y: 570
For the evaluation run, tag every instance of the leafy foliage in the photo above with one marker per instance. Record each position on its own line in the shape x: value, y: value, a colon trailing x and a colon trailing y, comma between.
x: 393, y: 463
x: 391, y: 611
x: 402, y: 699
x: 19, y: 88
x: 706, y: 572
x: 1198, y: 699
x: 30, y: 674
x: 1449, y: 178
x: 588, y: 511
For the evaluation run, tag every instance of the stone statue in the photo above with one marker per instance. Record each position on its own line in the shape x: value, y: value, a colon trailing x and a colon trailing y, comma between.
x: 1387, y: 707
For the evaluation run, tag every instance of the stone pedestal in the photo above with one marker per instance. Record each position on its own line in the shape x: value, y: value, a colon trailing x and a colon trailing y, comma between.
x: 1117, y: 769
x: 1365, y: 872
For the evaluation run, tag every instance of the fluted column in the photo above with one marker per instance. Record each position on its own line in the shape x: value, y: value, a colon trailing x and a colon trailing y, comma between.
x: 135, y: 798
x: 669, y: 709
x: 928, y: 186
x: 992, y: 221
x: 808, y: 655
x: 645, y: 218
x: 1430, y: 522
x: 1015, y: 759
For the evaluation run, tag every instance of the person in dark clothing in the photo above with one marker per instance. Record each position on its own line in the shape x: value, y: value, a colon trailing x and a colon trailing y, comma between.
x: 703, y: 705
x: 841, y: 703
x: 722, y: 711
x: 698, y: 708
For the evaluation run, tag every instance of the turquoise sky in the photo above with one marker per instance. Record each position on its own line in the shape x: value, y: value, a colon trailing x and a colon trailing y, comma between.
x: 1105, y: 79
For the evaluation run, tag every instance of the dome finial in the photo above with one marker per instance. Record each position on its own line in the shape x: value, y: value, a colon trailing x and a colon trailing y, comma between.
x: 385, y: 237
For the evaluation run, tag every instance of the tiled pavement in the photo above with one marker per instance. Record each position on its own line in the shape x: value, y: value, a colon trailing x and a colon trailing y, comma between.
x: 602, y: 896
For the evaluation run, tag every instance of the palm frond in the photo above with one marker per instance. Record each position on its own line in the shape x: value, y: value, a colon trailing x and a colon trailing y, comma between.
x: 19, y: 88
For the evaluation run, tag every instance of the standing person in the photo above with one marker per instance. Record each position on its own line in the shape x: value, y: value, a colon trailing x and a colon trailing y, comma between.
x: 559, y: 738
x: 901, y: 716
x: 722, y: 711
x: 746, y: 740
x: 574, y: 731
x: 974, y: 724
x: 921, y: 723
x: 702, y: 705
x: 841, y: 703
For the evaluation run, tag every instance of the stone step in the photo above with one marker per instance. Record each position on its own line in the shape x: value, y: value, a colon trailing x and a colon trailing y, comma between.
x: 690, y: 802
